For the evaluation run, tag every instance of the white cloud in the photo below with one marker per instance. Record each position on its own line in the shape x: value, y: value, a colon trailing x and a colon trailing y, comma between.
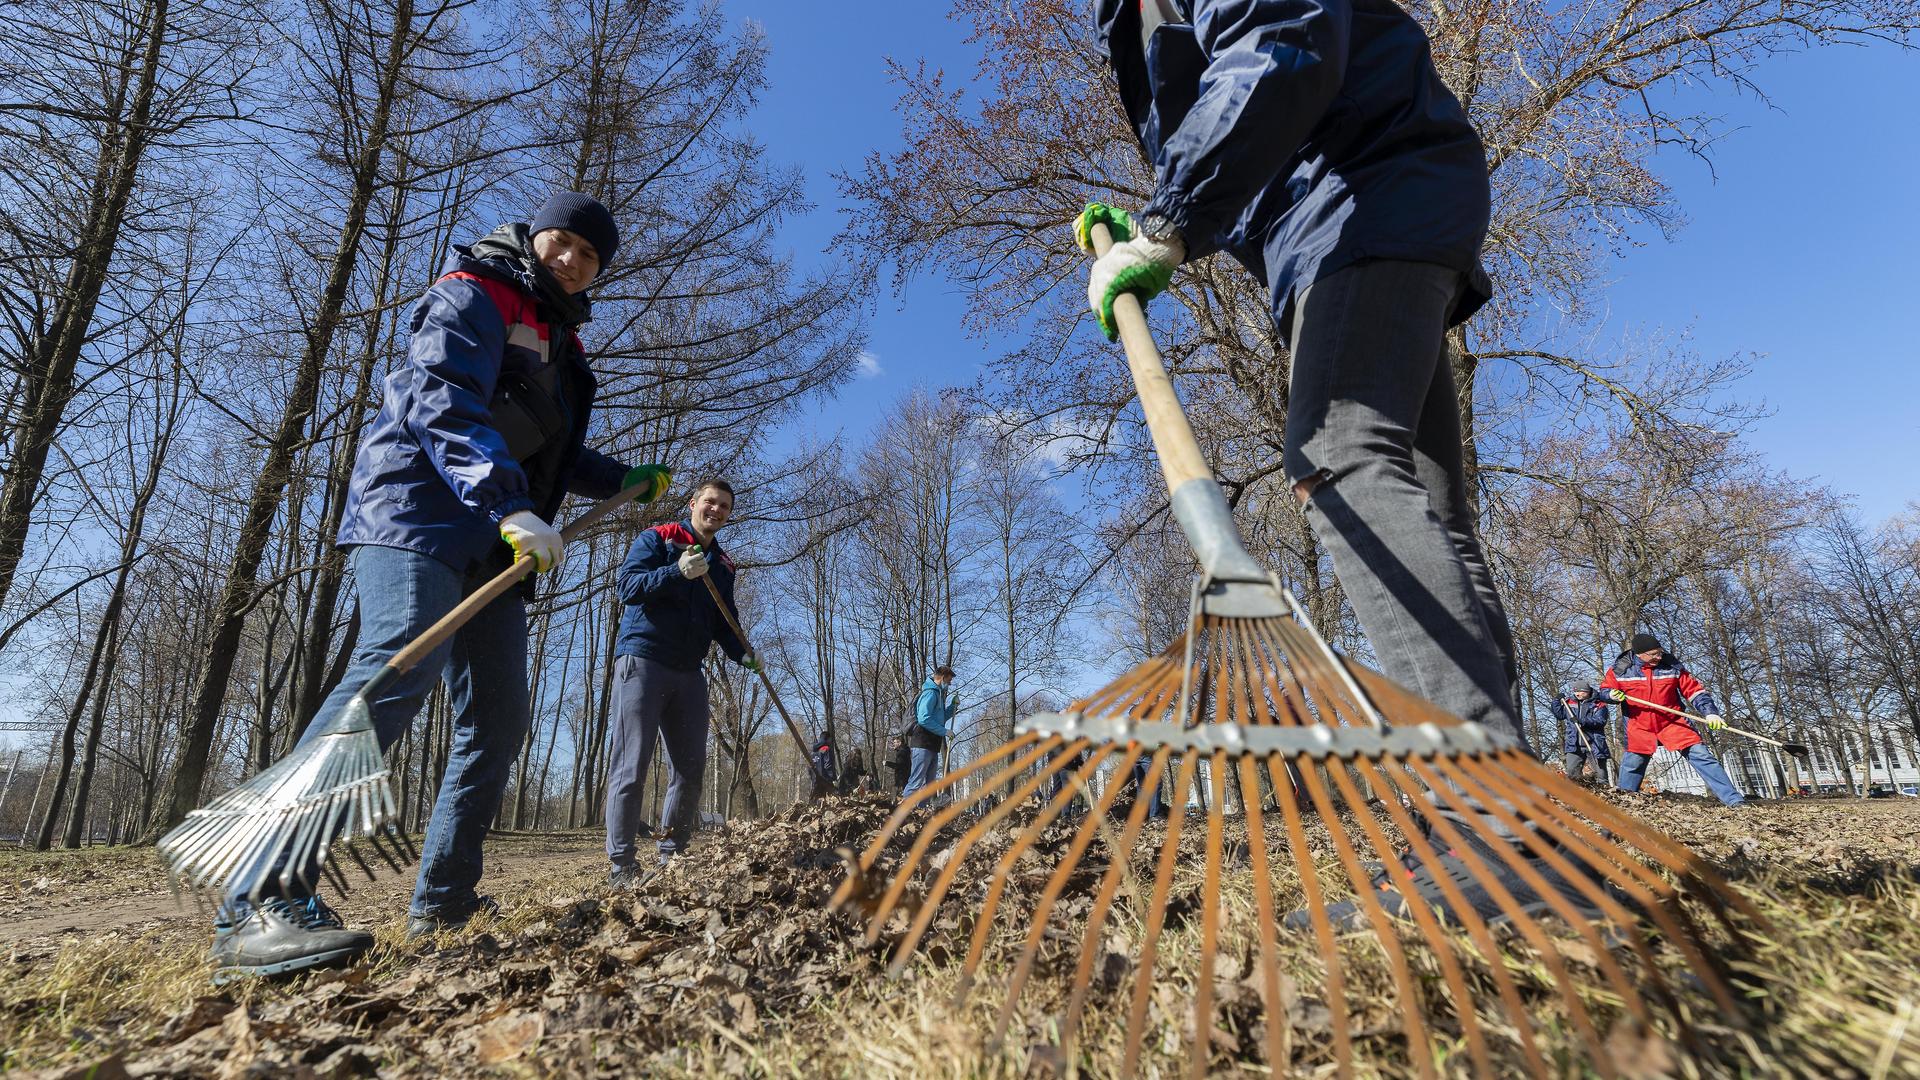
x: 867, y: 366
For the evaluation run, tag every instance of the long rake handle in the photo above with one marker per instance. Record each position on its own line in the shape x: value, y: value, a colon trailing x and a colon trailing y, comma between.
x: 806, y: 754
x: 1702, y: 719
x: 417, y: 650
x: 1173, y: 440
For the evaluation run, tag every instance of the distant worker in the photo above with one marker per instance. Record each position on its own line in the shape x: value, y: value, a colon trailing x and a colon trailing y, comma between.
x: 899, y: 762
x: 1583, y: 722
x: 1648, y: 672
x: 826, y: 775
x: 932, y: 719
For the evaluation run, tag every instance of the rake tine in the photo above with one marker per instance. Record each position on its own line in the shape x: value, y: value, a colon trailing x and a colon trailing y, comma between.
x: 1470, y: 772
x: 964, y: 846
x: 1430, y: 929
x: 1609, y: 907
x: 906, y: 808
x: 1663, y: 915
x: 1049, y: 895
x: 1202, y: 1054
x: 1644, y: 887
x: 1712, y: 888
x: 1109, y: 886
x: 904, y: 873
x: 1482, y: 935
x: 1288, y: 797
x: 1156, y: 915
x: 1417, y: 1037
x: 1279, y: 1032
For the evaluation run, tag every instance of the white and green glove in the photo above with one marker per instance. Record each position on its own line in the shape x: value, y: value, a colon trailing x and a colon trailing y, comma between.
x: 1136, y: 263
x: 531, y: 537
x: 1714, y: 721
x: 693, y: 563
x: 750, y: 662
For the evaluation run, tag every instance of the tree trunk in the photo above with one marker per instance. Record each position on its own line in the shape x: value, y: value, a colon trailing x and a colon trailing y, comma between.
x: 43, y: 837
x: 49, y: 380
x: 263, y: 505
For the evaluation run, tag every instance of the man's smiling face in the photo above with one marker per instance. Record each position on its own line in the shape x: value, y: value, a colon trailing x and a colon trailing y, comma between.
x: 710, y: 508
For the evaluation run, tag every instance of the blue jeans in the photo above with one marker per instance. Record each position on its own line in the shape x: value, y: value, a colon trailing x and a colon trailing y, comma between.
x: 1633, y: 768
x: 655, y: 703
x: 922, y: 769
x: 401, y: 594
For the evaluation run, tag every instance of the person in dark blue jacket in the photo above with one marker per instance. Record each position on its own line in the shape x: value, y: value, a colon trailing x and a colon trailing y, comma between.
x: 1583, y: 724
x: 1314, y: 142
x: 480, y: 436
x: 669, y: 623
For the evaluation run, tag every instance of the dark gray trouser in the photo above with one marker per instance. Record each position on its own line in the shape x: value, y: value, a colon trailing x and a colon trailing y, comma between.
x: 1374, y: 424
x: 1374, y: 418
x: 1575, y: 760
x: 653, y: 701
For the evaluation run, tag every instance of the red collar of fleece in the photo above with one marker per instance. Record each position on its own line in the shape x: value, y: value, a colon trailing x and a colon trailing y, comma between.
x: 674, y: 532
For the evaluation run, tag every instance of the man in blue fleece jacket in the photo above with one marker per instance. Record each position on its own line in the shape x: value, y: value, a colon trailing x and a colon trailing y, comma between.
x: 669, y: 623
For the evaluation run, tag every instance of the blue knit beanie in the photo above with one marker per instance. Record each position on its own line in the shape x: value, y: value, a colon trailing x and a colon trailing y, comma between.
x: 582, y: 215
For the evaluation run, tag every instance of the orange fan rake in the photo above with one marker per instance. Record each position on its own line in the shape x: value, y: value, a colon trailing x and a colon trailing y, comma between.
x: 1337, y: 773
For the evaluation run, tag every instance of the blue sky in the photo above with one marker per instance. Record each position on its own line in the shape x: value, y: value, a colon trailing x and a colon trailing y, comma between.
x: 1801, y: 249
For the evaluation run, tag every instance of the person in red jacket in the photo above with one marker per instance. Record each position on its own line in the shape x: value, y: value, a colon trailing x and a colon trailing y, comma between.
x: 1648, y: 672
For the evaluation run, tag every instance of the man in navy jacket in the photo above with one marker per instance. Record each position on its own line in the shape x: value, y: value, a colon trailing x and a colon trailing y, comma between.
x: 669, y: 623
x: 480, y: 437
x: 1314, y: 142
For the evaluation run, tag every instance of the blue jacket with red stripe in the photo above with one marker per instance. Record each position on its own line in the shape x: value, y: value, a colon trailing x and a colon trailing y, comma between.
x: 669, y: 617
x: 435, y: 474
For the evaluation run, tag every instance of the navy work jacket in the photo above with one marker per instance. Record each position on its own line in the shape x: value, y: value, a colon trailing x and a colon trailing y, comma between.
x: 434, y: 474
x: 668, y: 617
x: 1577, y: 718
x: 1302, y: 136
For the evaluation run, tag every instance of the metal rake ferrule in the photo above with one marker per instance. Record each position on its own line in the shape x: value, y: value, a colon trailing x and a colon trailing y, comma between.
x: 1318, y: 742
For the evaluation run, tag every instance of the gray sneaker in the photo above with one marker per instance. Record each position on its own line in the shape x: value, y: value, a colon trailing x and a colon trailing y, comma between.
x: 280, y: 937
x: 420, y: 926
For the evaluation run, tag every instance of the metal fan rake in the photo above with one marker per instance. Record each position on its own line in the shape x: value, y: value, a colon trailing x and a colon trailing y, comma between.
x: 1337, y: 773
x: 275, y: 834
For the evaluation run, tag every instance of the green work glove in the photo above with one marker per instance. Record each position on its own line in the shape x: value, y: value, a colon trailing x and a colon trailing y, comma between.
x: 657, y: 478
x: 1118, y: 222
x: 1714, y: 722
x: 1136, y: 263
x: 1616, y: 696
x: 750, y: 662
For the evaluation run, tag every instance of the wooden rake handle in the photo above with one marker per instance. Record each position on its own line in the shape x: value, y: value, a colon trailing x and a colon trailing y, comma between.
x: 760, y: 669
x: 1173, y: 441
x: 417, y: 649
x: 1729, y: 727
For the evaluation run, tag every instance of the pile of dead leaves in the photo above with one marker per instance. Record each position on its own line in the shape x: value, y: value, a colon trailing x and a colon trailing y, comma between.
x: 730, y: 963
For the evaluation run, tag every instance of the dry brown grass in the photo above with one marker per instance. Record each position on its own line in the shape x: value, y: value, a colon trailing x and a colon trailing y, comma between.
x: 728, y: 967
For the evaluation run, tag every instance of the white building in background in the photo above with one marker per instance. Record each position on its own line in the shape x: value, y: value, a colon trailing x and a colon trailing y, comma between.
x: 1755, y: 772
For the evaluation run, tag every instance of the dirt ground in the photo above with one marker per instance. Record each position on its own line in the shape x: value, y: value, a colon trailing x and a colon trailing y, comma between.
x: 729, y: 964
x: 44, y: 898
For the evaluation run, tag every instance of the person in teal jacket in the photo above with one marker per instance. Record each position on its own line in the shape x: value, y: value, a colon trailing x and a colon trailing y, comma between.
x: 932, y: 715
